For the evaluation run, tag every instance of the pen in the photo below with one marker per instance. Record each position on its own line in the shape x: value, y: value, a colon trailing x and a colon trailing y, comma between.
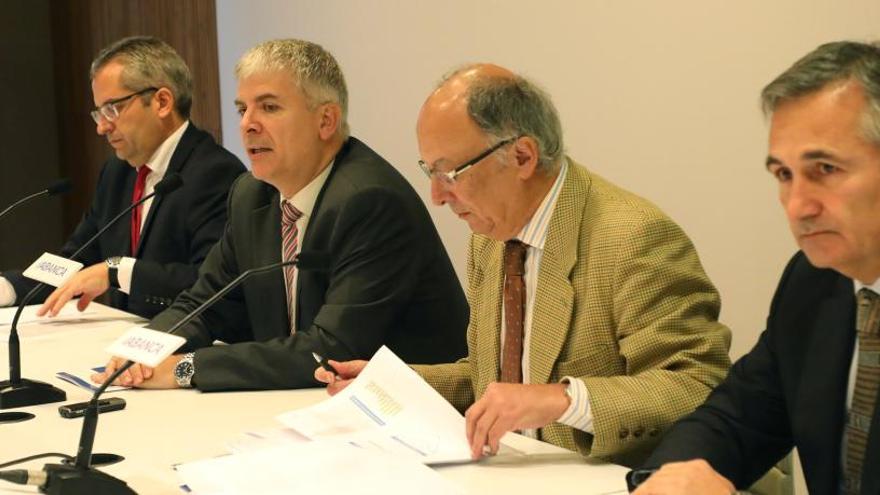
x: 325, y: 364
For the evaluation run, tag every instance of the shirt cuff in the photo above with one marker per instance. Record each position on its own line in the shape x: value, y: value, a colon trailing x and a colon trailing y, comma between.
x: 7, y: 292
x: 124, y: 273
x: 579, y: 415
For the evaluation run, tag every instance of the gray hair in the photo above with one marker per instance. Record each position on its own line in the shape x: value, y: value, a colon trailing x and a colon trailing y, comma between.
x: 313, y: 69
x: 149, y: 62
x: 829, y: 63
x: 508, y: 106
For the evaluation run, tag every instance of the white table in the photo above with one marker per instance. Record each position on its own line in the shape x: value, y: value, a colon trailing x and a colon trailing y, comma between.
x: 161, y: 428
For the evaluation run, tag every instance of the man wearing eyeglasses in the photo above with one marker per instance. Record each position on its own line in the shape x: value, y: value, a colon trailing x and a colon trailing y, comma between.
x: 314, y: 188
x: 593, y: 325
x: 143, y: 93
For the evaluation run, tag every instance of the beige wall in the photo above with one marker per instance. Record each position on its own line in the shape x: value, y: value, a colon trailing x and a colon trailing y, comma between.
x: 658, y: 96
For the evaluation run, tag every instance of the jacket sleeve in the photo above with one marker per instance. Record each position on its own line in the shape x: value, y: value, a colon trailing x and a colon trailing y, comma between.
x: 155, y: 284
x: 675, y: 350
x: 375, y: 258
x: 742, y: 429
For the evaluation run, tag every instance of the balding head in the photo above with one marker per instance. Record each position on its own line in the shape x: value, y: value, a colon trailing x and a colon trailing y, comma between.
x: 491, y: 142
x: 501, y: 104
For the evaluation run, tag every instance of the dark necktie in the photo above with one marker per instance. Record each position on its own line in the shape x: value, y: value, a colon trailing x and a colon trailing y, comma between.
x: 514, y: 311
x: 289, y: 242
x: 867, y: 380
x: 136, y: 214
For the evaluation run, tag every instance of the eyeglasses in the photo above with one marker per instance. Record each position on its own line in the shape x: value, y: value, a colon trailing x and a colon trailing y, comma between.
x: 448, y: 178
x: 110, y: 111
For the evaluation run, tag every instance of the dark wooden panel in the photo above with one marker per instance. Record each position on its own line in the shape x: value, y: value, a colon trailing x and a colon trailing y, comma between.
x: 28, y: 143
x: 81, y: 28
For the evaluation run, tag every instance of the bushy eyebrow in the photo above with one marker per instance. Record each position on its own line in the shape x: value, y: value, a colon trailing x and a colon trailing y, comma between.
x: 260, y: 98
x: 806, y: 155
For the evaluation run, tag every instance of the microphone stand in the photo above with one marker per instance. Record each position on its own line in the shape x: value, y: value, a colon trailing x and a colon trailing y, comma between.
x: 18, y: 391
x: 81, y: 478
x: 59, y: 187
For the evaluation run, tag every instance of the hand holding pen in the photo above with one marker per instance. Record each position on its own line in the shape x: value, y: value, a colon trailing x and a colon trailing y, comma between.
x: 337, y: 374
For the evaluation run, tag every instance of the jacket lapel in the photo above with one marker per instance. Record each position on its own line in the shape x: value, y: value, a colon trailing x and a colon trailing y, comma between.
x: 181, y: 154
x: 488, y: 286
x: 554, y: 298
x: 823, y: 383
x: 266, y: 224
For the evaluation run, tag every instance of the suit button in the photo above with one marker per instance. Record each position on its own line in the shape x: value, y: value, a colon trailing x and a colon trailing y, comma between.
x: 654, y: 432
x: 623, y: 433
x: 638, y: 432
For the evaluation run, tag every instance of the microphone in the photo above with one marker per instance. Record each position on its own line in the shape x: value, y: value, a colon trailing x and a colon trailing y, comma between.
x: 60, y: 186
x: 18, y: 391
x: 81, y: 477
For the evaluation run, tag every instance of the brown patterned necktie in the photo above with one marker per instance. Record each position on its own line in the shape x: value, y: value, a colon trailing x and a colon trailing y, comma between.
x: 514, y: 311
x: 867, y: 380
x: 289, y: 241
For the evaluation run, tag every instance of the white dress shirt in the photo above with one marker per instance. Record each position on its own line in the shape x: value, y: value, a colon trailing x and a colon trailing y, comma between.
x: 304, y: 201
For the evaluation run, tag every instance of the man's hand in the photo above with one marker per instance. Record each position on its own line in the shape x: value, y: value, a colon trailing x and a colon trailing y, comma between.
x: 348, y: 371
x: 140, y: 376
x: 89, y: 283
x: 512, y: 406
x: 695, y: 476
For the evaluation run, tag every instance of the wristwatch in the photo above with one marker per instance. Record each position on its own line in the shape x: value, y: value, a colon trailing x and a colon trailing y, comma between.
x: 184, y: 371
x: 113, y: 270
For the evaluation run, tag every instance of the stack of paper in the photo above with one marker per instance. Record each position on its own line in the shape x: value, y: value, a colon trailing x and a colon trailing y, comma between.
x: 388, y: 408
x: 376, y: 436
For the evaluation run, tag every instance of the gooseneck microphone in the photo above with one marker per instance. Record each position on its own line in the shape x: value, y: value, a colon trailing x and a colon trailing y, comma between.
x: 81, y: 477
x: 18, y: 391
x: 60, y: 186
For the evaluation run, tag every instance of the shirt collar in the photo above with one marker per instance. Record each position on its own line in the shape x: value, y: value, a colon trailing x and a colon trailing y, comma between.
x: 534, y: 233
x: 874, y: 287
x: 158, y: 163
x: 304, y: 200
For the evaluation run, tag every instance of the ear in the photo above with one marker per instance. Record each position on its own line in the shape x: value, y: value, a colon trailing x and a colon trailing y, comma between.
x: 164, y: 100
x: 525, y: 150
x: 330, y: 115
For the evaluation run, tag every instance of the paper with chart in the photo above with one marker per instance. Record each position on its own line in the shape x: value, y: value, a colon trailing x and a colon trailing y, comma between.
x: 389, y: 408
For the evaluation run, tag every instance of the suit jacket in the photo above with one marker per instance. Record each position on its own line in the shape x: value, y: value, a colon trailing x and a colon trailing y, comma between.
x: 788, y: 391
x: 389, y: 281
x: 622, y: 303
x: 177, y: 233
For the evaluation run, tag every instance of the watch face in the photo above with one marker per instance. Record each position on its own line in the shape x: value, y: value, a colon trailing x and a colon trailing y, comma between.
x: 183, y: 370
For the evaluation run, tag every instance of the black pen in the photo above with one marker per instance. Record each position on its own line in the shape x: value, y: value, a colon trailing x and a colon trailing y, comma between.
x: 325, y: 364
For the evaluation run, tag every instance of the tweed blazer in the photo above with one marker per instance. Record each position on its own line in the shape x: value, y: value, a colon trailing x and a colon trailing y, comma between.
x: 622, y: 303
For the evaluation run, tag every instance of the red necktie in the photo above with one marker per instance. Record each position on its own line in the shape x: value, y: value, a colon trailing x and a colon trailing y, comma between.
x: 139, y: 186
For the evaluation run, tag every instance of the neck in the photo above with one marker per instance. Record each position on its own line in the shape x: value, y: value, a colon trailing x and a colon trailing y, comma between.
x: 325, y: 156
x: 533, y: 191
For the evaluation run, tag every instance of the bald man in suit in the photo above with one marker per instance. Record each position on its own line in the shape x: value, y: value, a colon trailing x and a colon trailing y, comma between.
x: 593, y: 325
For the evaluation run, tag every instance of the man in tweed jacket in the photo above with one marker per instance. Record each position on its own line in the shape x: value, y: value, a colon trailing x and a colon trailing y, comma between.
x: 621, y: 331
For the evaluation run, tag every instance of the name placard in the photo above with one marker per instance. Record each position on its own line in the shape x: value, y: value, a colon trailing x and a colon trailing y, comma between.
x: 145, y: 346
x: 52, y: 270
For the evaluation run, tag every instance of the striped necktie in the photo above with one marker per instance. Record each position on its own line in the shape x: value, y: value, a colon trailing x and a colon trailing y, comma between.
x: 289, y: 243
x: 867, y: 381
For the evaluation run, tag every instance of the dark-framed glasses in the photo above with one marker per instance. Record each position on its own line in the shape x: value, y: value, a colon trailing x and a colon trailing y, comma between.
x: 110, y: 110
x: 449, y: 177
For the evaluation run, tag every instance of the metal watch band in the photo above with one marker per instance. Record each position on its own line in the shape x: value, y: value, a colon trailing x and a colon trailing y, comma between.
x: 184, y: 371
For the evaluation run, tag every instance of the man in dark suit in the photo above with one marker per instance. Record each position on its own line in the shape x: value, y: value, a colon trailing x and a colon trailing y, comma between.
x: 388, y: 279
x: 811, y: 381
x: 143, y: 93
